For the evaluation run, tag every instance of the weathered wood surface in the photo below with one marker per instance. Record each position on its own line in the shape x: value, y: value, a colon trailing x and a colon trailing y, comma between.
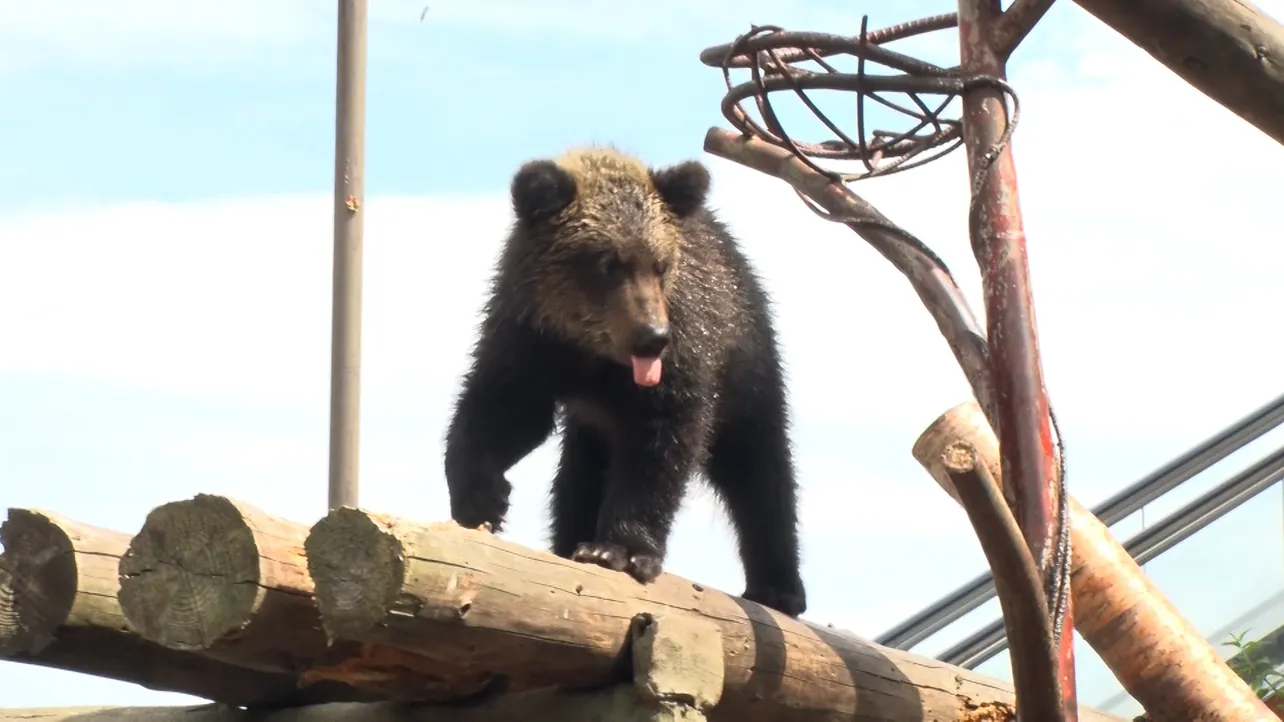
x: 219, y: 576
x: 489, y: 612
x: 616, y: 705
x: 1227, y: 49
x: 1163, y: 662
x: 227, y: 580
x: 59, y: 608
x: 1032, y: 644
x: 677, y: 675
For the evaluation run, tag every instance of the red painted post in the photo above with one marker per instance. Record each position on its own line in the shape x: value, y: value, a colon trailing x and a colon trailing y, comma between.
x: 986, y: 38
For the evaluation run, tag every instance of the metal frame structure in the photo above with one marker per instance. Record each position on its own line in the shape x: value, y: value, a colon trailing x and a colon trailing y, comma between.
x: 1001, y: 362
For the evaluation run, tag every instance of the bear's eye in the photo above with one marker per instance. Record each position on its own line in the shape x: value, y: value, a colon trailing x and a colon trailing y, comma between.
x: 609, y: 263
x: 661, y: 268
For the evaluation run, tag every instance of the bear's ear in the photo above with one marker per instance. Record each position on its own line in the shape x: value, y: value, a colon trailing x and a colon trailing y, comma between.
x: 683, y: 187
x: 540, y: 190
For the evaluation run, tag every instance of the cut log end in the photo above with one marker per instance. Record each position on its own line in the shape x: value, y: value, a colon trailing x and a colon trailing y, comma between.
x: 1161, y: 660
x: 964, y: 422
x: 959, y: 457
x: 59, y: 609
x: 38, y: 581
x: 191, y: 575
x: 359, y: 568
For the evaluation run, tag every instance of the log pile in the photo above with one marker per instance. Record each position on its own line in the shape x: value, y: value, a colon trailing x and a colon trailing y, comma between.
x: 1154, y: 652
x: 59, y: 608
x: 220, y: 600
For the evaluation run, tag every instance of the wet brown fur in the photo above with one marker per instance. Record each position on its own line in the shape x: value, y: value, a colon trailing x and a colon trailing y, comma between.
x: 610, y: 188
x: 604, y: 245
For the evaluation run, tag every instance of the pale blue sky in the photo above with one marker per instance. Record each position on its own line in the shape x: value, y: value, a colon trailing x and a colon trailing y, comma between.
x: 164, y: 274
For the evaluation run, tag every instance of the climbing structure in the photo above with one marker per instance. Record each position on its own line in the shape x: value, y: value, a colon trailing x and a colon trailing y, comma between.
x: 214, y: 598
x: 364, y: 616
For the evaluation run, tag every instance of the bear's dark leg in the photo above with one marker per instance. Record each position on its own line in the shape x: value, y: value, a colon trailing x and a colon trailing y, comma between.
x: 505, y: 410
x: 578, y: 488
x: 751, y: 467
x: 647, y: 479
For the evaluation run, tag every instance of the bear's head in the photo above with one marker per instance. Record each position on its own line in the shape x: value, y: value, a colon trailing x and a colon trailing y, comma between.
x: 604, y: 235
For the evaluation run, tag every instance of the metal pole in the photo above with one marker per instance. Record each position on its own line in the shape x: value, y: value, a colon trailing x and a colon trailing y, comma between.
x: 349, y: 194
x: 1025, y: 433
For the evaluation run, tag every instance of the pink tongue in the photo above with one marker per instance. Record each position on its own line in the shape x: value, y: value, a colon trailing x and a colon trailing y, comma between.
x: 646, y: 371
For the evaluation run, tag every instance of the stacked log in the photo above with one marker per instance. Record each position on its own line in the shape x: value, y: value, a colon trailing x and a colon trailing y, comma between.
x: 218, y: 599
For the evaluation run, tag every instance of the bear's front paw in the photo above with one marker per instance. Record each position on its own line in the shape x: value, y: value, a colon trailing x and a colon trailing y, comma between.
x: 641, y: 565
x: 787, y: 597
x: 480, y: 508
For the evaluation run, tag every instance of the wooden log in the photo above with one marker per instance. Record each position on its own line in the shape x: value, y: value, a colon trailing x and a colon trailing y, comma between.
x: 677, y: 676
x: 1227, y: 49
x: 1158, y: 657
x: 59, y: 609
x: 617, y: 704
x: 475, y: 604
x: 215, y: 575
x: 220, y: 577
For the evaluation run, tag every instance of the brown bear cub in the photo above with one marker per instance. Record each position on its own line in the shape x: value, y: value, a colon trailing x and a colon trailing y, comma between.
x: 622, y: 302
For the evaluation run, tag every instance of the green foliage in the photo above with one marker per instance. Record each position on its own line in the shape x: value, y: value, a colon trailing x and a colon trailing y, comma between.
x: 1253, y: 665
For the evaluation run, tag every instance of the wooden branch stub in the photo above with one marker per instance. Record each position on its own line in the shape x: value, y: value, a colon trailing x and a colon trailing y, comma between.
x: 958, y: 423
x: 959, y: 458
x: 1158, y: 657
x: 1020, y: 588
x: 214, y: 574
x: 59, y: 609
x: 479, y: 610
x: 678, y: 658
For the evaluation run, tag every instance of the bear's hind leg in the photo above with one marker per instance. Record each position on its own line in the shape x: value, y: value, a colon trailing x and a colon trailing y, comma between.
x: 578, y: 488
x: 751, y: 468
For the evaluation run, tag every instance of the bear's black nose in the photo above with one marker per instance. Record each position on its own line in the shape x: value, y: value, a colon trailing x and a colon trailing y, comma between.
x: 649, y: 341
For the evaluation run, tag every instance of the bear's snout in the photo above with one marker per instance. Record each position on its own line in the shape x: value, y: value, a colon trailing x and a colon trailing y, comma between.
x: 649, y: 341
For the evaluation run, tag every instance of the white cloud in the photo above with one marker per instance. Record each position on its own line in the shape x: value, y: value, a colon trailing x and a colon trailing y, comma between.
x: 1153, y: 284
